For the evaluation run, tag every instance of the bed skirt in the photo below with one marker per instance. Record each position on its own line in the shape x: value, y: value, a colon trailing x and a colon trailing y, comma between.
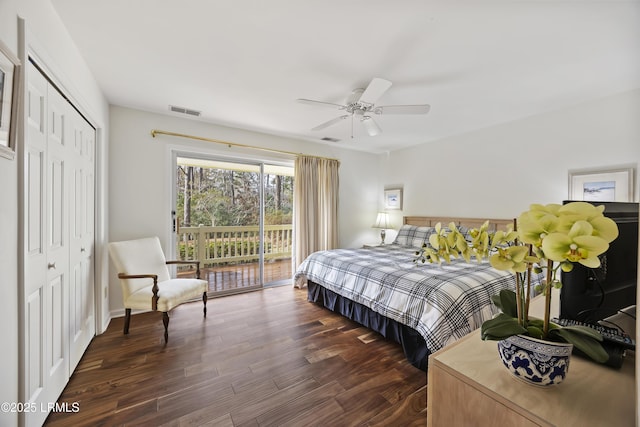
x: 413, y: 344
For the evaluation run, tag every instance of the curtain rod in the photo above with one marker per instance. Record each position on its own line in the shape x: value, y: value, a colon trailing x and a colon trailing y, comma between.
x: 155, y: 132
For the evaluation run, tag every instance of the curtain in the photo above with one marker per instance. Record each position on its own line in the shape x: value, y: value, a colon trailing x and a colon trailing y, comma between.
x: 315, y: 213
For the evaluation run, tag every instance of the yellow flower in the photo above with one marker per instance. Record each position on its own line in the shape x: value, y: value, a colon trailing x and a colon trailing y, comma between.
x: 581, y: 211
x: 461, y: 245
x: 578, y: 245
x: 442, y: 244
x: 541, y: 210
x: 535, y: 224
x: 513, y: 258
x: 480, y: 240
x: 604, y: 228
x: 503, y: 238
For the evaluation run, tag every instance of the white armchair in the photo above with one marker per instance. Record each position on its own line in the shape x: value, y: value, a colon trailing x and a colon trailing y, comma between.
x: 146, y: 283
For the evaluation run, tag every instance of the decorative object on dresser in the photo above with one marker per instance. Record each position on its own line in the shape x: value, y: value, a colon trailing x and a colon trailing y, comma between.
x: 146, y: 283
x: 382, y: 222
x: 537, y: 362
x: 544, y: 239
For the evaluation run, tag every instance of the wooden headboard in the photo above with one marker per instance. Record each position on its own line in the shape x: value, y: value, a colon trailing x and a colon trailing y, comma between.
x: 430, y: 221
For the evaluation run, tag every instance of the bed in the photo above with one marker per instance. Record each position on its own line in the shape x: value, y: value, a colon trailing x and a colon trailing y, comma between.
x: 424, y: 307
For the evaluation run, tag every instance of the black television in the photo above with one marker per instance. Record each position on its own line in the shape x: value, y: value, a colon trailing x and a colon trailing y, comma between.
x: 590, y: 295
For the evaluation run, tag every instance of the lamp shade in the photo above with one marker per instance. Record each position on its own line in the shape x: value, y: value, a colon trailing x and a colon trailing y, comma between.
x: 382, y: 221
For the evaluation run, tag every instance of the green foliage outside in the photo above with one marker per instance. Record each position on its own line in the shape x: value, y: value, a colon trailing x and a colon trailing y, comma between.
x: 223, y: 197
x: 211, y: 196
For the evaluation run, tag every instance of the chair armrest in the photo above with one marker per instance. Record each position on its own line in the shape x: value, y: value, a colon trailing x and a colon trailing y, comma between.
x: 154, y: 298
x: 138, y: 276
x: 194, y: 262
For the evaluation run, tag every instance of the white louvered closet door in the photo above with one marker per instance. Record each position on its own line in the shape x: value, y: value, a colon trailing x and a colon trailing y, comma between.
x: 58, y: 304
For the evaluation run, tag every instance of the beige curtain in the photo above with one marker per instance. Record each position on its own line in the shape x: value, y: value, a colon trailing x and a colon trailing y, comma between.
x: 315, y: 218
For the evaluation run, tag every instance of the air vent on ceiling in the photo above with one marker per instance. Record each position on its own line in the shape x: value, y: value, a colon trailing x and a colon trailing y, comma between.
x: 183, y: 110
x: 328, y: 139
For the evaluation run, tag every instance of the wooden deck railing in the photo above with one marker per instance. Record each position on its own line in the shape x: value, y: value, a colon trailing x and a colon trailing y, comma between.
x: 215, y: 245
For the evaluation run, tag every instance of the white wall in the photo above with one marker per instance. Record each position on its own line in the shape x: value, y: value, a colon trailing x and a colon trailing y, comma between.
x: 499, y: 171
x: 140, y: 188
x: 56, y: 47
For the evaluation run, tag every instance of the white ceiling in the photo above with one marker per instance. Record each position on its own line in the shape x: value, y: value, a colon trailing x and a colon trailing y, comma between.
x: 243, y: 63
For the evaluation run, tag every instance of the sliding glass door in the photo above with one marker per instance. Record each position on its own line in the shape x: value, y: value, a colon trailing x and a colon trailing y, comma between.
x: 236, y: 218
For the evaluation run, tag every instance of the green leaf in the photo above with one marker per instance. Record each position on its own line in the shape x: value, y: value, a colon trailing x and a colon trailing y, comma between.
x: 500, y: 327
x: 495, y: 299
x: 538, y: 323
x: 508, y: 303
x: 584, y: 330
x: 590, y: 346
x: 534, y: 331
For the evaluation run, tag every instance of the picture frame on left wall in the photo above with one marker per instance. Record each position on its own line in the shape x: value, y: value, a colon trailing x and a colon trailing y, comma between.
x: 9, y: 98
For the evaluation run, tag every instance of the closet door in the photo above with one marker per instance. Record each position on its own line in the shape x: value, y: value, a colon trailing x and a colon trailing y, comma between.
x: 58, y: 301
x: 47, y: 246
x: 81, y: 294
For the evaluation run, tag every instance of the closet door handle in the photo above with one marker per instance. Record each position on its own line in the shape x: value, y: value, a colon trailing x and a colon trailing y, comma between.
x: 82, y: 250
x: 51, y: 266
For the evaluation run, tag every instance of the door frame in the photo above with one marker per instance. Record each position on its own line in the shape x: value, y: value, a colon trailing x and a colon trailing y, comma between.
x: 175, y: 151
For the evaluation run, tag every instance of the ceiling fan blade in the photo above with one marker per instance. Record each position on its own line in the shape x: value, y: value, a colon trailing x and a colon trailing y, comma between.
x: 330, y: 122
x: 321, y: 103
x: 375, y: 90
x: 403, y: 109
x: 371, y: 126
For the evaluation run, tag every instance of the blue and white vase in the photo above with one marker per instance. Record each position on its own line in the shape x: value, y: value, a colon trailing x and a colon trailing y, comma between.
x: 535, y: 361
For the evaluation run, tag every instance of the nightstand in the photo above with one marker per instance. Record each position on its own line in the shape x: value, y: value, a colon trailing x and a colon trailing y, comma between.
x: 372, y: 245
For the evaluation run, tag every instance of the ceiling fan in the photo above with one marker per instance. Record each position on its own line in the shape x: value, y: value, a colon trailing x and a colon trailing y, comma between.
x: 360, y: 104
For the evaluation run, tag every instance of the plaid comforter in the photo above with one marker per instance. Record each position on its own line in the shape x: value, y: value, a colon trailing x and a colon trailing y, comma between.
x: 442, y: 302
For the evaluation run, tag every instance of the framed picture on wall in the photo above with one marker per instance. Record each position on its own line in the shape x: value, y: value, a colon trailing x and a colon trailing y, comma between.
x: 393, y: 199
x: 9, y: 97
x: 602, y: 185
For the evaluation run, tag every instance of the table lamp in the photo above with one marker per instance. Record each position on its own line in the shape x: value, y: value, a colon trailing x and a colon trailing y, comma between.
x: 382, y: 222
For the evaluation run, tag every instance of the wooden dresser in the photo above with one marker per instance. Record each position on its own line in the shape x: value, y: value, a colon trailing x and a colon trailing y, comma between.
x: 468, y: 386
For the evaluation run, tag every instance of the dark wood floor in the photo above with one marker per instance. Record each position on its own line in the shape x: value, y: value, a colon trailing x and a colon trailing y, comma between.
x: 262, y: 358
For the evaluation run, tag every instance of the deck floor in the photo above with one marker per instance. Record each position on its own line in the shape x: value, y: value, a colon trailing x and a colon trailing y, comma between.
x: 238, y: 277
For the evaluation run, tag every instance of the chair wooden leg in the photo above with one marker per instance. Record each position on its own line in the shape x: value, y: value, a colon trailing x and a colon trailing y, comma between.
x: 127, y: 320
x: 204, y: 300
x: 165, y: 320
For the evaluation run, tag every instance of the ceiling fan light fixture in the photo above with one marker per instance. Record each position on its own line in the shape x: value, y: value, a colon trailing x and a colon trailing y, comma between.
x: 371, y: 126
x: 361, y: 103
